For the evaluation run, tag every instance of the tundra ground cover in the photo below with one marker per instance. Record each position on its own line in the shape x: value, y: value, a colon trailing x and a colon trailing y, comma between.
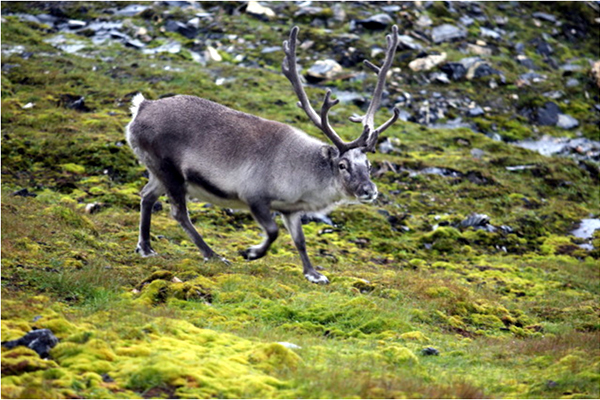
x: 512, y: 312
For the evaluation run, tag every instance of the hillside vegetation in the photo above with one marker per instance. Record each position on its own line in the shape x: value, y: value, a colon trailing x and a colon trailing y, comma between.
x: 463, y: 280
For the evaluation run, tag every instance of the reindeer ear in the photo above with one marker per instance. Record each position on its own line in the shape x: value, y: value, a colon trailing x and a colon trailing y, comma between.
x: 330, y: 152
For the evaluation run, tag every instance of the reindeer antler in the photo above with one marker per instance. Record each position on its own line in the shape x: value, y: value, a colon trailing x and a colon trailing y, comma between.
x: 368, y: 120
x: 368, y: 138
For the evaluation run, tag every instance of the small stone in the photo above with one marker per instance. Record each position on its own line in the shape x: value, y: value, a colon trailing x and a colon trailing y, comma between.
x: 131, y: 10
x: 455, y: 71
x: 40, y: 340
x: 475, y: 111
x: 259, y: 11
x: 289, y: 345
x: 426, y: 63
x: 466, y: 20
x: 439, y: 77
x: 430, y: 351
x: 324, y: 70
x: 74, y: 102
x: 213, y: 54
x: 485, y: 32
x: 477, y: 153
x: 176, y: 280
x: 270, y: 49
x: 387, y: 147
x: 572, y: 82
x: 92, y: 208
x: 28, y: 106
x: 548, y: 114
x: 407, y: 42
x: 544, y: 16
x: 479, y: 50
x: 376, y: 22
x: 76, y: 24
x: 424, y: 21
x: 23, y: 193
x: 446, y: 33
x: 566, y: 122
x: 477, y: 221
x: 500, y: 20
x: 181, y: 28
x: 542, y: 47
x: 135, y: 44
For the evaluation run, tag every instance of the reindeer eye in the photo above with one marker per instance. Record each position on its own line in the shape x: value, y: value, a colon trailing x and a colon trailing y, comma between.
x: 342, y: 166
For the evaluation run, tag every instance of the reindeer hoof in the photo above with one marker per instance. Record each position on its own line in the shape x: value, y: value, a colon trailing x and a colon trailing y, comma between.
x: 250, y: 254
x: 317, y: 278
x: 217, y: 257
x: 145, y: 251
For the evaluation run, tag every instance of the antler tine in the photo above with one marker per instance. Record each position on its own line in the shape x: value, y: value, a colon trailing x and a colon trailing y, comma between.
x: 288, y: 67
x: 368, y: 120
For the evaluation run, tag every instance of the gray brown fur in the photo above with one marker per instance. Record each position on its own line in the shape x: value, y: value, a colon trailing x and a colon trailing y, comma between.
x: 193, y: 147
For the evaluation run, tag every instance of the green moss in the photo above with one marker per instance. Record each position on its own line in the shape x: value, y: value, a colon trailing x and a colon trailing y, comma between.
x: 397, y: 355
x: 519, y: 308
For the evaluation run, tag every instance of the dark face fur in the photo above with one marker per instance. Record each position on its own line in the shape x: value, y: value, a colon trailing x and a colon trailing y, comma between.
x: 353, y: 169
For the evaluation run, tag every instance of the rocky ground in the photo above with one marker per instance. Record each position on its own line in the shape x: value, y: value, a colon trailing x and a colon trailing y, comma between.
x: 475, y: 274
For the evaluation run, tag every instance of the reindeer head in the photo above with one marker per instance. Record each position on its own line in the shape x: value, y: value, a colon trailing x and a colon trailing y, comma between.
x: 349, y: 162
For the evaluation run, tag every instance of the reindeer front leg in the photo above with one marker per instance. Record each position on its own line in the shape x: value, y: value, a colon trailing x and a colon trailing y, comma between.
x: 293, y: 224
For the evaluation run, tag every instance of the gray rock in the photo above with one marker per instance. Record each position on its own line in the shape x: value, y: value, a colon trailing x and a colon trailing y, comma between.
x: 477, y: 153
x: 447, y: 32
x: 490, y: 33
x: 323, y: 69
x: 308, y: 11
x: 454, y: 71
x: 339, y: 14
x: 566, y: 122
x: 532, y: 77
x: 259, y: 11
x: 135, y: 44
x: 439, y: 77
x: 40, y: 340
x: 586, y: 228
x: 555, y: 94
x: 475, y: 111
x: 270, y: 49
x: 466, y: 20
x: 478, y: 221
x: 391, y: 9
x: 427, y: 63
x: 468, y: 62
x: 544, y: 16
x: 572, y: 82
x: 47, y: 19
x: 131, y: 10
x: 386, y: 147
x: 430, y: 351
x: 580, y: 148
x: 170, y: 47
x: 289, y: 345
x: 376, y: 22
x: 23, y: 193
x: 548, y: 114
x: 571, y: 68
x: 76, y: 24
x: 424, y: 21
x: 407, y: 42
x: 183, y: 29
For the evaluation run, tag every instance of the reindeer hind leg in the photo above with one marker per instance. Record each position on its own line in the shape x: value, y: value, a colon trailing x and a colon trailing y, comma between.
x: 150, y: 194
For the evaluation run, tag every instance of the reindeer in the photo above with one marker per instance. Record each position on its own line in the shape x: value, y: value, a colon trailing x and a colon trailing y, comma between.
x: 195, y: 148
